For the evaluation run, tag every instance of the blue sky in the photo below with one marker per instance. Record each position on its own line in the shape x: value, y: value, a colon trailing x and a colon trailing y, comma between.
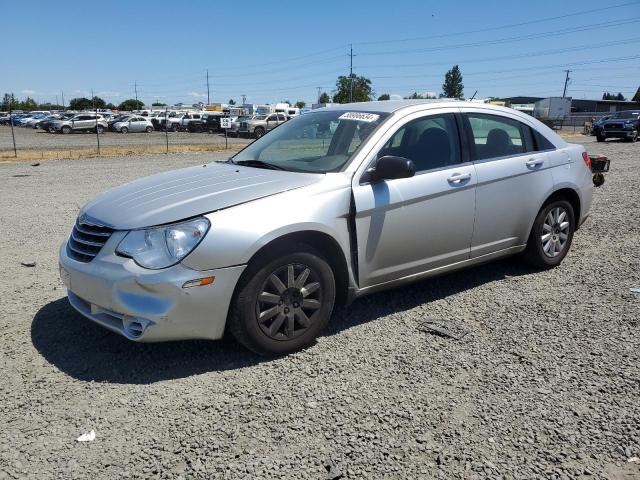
x: 276, y: 50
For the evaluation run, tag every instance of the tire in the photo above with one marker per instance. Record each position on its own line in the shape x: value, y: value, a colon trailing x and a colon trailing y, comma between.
x: 52, y: 130
x: 258, y: 132
x: 175, y: 127
x: 148, y: 129
x: 124, y: 130
x: 66, y: 129
x: 548, y: 252
x: 633, y: 138
x: 99, y: 129
x: 600, y: 138
x: 283, y: 329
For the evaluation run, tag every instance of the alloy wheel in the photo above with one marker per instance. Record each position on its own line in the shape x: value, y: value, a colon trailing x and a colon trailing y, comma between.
x: 289, y: 302
x: 555, y: 232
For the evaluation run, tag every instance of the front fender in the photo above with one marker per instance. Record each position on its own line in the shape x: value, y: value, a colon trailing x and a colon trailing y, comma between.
x: 237, y: 233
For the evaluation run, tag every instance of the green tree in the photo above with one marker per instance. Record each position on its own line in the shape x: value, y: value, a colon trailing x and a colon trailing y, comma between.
x: 301, y: 104
x: 324, y: 98
x: 362, y: 91
x: 232, y: 101
x: 418, y: 96
x: 384, y: 96
x: 613, y: 96
x: 97, y: 102
x: 131, y: 104
x: 8, y: 102
x: 28, y: 104
x: 158, y: 104
x: 453, y: 86
x: 636, y: 97
x: 81, y: 103
x: 110, y: 106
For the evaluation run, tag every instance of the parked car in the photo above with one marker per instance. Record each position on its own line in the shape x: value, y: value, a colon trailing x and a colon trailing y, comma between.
x: 624, y: 124
x: 264, y: 245
x: 261, y: 124
x: 47, y: 123
x: 82, y: 122
x: 31, y: 121
x: 133, y: 124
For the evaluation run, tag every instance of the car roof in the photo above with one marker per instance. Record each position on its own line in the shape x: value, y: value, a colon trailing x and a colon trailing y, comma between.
x: 391, y: 106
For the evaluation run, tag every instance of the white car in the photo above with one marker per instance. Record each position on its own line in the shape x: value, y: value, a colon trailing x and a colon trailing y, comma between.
x: 134, y: 124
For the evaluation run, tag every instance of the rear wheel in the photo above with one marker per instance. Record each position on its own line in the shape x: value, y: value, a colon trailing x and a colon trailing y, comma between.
x: 283, y: 302
x: 149, y: 129
x: 124, y: 130
x: 175, y: 127
x: 258, y: 132
x: 551, y: 235
x: 66, y: 129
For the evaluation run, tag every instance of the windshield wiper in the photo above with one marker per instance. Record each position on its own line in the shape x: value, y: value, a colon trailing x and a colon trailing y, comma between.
x: 257, y: 164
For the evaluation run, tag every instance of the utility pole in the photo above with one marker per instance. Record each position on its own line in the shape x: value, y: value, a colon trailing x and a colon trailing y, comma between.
x: 57, y: 102
x: 566, y: 82
x: 135, y: 87
x: 350, y: 72
x: 208, y: 101
x: 319, y: 88
x: 93, y: 99
x: 63, y: 108
x: 243, y: 98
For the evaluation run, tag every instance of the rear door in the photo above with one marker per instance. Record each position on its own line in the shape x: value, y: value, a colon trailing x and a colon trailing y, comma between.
x: 513, y: 180
x: 408, y: 226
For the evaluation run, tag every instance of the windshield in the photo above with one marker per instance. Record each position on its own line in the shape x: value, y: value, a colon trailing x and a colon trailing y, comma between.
x: 319, y: 142
x: 626, y: 114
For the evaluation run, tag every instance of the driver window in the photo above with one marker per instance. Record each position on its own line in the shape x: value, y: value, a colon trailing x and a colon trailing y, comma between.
x: 430, y: 142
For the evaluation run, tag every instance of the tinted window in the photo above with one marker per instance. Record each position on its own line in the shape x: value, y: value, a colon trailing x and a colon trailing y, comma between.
x: 495, y: 136
x: 430, y: 142
x: 280, y: 118
x: 541, y: 142
x: 272, y: 118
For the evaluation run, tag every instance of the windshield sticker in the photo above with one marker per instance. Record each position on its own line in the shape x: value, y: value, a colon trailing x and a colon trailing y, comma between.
x: 359, y: 116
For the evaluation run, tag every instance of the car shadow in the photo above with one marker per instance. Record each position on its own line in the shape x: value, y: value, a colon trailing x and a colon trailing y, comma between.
x: 87, y: 352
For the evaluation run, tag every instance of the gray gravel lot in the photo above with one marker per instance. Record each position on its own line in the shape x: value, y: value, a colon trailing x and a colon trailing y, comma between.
x: 545, y: 385
x: 28, y: 139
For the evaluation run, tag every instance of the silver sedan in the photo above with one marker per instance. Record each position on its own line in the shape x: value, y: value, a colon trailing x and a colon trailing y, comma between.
x: 332, y: 205
x: 133, y: 124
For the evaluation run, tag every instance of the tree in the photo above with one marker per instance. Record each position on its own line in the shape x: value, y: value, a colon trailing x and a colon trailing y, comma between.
x: 384, y: 96
x: 8, y: 102
x: 28, y: 104
x: 232, y: 101
x: 131, y: 104
x: 110, y: 106
x: 81, y: 103
x: 300, y: 104
x: 611, y: 96
x: 362, y: 91
x: 418, y: 96
x: 158, y: 104
x: 636, y: 97
x: 324, y: 98
x: 453, y: 86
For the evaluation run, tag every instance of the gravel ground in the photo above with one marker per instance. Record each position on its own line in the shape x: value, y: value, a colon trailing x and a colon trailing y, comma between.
x: 544, y: 385
x: 28, y: 138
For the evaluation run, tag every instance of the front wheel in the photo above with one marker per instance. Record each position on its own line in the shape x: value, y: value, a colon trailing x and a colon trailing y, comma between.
x: 175, y: 127
x: 99, y: 129
x: 66, y: 129
x: 148, y: 129
x: 258, y: 132
x: 283, y: 302
x: 551, y: 235
x: 124, y: 130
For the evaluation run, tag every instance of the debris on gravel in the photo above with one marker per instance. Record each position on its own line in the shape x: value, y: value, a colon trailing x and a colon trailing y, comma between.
x: 546, y: 386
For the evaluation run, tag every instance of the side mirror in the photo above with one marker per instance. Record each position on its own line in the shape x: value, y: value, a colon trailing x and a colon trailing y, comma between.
x: 391, y: 168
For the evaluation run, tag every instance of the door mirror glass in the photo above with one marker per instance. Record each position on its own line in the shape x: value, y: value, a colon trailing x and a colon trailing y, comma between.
x: 391, y: 168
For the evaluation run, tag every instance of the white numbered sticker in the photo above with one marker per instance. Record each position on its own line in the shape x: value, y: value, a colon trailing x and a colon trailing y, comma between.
x: 360, y: 116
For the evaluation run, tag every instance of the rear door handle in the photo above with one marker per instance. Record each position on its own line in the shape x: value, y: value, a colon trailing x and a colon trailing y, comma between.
x: 535, y: 162
x: 458, y: 178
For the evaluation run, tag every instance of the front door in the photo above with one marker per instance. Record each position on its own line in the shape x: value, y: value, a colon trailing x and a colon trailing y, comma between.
x: 412, y: 225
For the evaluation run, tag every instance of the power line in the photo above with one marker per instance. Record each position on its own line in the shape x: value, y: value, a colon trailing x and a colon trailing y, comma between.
x: 501, y: 27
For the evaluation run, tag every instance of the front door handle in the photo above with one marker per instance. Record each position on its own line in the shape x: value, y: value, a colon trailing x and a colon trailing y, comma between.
x: 458, y: 178
x: 534, y: 162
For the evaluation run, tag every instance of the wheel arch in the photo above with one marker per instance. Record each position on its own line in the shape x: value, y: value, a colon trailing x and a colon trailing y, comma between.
x: 569, y: 194
x: 323, y: 243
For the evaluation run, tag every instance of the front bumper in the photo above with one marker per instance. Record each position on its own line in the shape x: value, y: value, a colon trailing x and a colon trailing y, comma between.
x: 148, y: 305
x: 617, y: 133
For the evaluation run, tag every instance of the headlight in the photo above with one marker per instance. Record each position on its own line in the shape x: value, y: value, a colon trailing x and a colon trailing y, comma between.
x: 162, y: 247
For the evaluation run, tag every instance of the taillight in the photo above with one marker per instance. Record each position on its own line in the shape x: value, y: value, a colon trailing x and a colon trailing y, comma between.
x: 587, y: 160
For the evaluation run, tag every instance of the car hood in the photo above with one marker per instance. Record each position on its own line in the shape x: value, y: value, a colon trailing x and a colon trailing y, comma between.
x: 172, y: 196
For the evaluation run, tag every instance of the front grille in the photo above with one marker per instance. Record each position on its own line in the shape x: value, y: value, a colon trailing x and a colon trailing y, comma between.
x: 87, y: 240
x: 244, y: 125
x: 613, y: 126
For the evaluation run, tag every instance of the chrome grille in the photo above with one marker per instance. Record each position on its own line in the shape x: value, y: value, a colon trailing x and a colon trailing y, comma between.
x: 87, y: 240
x: 613, y: 126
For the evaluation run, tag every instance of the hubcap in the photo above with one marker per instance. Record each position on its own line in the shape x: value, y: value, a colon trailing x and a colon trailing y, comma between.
x: 555, y: 232
x: 289, y: 302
